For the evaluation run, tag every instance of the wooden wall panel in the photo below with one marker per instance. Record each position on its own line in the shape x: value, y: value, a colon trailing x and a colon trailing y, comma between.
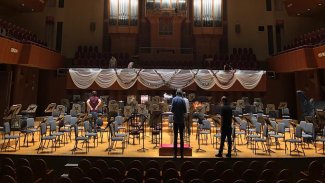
x: 10, y: 51
x: 25, y: 86
x: 43, y: 58
x: 319, y: 54
x: 296, y: 60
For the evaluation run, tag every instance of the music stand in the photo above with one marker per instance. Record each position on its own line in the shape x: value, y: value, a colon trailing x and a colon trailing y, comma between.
x: 143, y: 119
x: 12, y: 115
x: 267, y: 122
x: 50, y: 108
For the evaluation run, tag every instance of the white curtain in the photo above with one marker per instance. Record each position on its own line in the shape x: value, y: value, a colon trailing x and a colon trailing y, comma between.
x: 205, y: 79
x: 106, y: 78
x: 249, y: 79
x: 126, y: 78
x: 84, y: 78
x: 156, y: 78
x: 224, y: 79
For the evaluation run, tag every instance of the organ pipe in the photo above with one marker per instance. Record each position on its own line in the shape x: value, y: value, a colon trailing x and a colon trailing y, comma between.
x: 207, y: 13
x: 123, y: 12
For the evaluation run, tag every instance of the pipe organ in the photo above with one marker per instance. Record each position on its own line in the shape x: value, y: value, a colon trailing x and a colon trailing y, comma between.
x: 123, y: 12
x: 155, y: 6
x: 207, y: 13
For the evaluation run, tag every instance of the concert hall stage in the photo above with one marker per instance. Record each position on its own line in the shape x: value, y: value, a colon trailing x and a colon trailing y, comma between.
x: 152, y: 152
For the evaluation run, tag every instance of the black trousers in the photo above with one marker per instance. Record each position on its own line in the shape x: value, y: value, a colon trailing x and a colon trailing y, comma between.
x: 225, y: 133
x: 179, y: 127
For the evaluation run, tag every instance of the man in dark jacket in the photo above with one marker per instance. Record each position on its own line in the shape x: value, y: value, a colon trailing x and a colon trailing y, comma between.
x: 178, y: 109
x: 226, y: 129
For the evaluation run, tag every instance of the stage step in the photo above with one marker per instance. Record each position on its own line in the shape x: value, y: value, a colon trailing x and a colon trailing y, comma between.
x: 168, y: 150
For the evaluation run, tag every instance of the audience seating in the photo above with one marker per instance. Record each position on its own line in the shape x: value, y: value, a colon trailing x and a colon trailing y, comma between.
x: 25, y: 171
x: 100, y: 170
x: 187, y: 172
x: 10, y: 30
x: 308, y: 39
x: 240, y: 58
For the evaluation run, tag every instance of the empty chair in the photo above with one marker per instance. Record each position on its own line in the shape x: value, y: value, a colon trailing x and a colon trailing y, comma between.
x: 116, y: 137
x: 169, y: 174
x: 218, y: 181
x: 86, y: 180
x: 22, y: 162
x: 249, y: 175
x: 41, y: 170
x: 152, y: 164
x: 168, y: 164
x: 85, y: 165
x: 129, y: 180
x: 203, y: 166
x: 95, y: 174
x: 285, y: 174
x: 219, y: 167
x: 8, y: 170
x: 30, y: 129
x: 240, y: 181
x: 174, y: 180
x: 152, y: 180
x: 108, y: 180
x: 197, y: 181
x: 7, y: 179
x: 7, y: 161
x: 25, y: 174
x: 239, y: 167
x: 209, y: 175
x: 272, y: 165
x: 82, y: 139
x: 7, y: 136
x: 101, y: 164
x: 114, y: 173
x: 53, y: 132
x: 190, y: 175
x: 296, y: 140
x: 315, y: 171
x: 187, y: 165
x: 118, y: 164
x: 152, y: 173
x: 44, y: 138
x: 136, y: 164
x: 89, y: 133
x: 228, y: 175
x: 135, y: 174
x: 256, y: 166
x: 76, y: 174
x: 267, y: 175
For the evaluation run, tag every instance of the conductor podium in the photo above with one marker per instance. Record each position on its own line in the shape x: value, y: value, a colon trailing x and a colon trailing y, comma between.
x: 168, y: 150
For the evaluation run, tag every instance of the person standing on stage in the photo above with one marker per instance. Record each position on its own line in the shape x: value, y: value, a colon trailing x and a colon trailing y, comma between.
x: 226, y: 129
x: 178, y: 109
x: 93, y: 103
x: 187, y: 122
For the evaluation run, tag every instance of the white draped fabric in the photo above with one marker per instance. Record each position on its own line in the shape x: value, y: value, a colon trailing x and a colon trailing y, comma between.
x: 156, y: 78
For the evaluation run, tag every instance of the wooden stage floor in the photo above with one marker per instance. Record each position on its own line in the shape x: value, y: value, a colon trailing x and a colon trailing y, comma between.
x: 151, y: 152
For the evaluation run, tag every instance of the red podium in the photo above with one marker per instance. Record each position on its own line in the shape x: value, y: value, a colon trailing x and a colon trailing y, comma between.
x: 168, y: 150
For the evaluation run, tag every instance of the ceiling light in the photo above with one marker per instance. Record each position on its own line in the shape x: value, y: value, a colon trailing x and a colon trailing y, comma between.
x: 320, y: 4
x: 22, y: 4
x: 308, y: 9
x: 298, y: 14
x: 32, y: 9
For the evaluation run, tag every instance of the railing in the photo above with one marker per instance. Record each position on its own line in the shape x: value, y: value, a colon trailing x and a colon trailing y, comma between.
x: 162, y: 50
